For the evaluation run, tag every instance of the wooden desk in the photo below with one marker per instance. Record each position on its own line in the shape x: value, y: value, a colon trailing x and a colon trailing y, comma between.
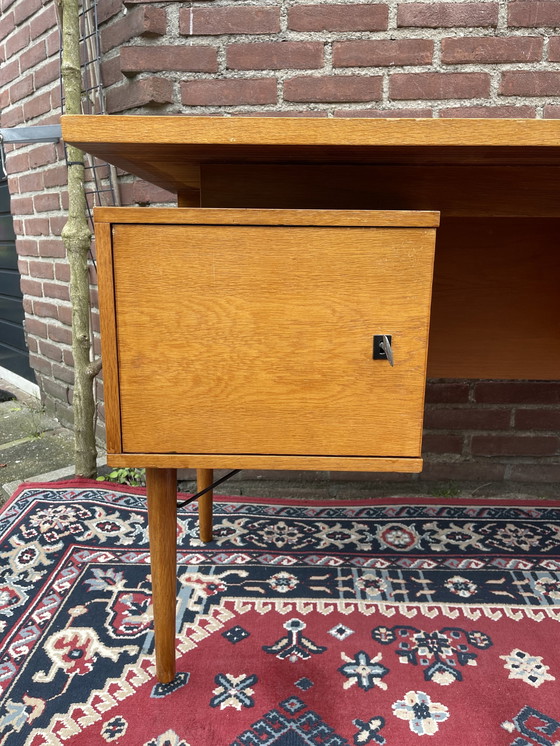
x: 495, y: 310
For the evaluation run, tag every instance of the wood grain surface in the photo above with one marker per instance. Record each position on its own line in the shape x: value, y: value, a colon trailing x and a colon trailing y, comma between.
x: 109, y: 357
x: 453, y: 190
x: 229, y: 461
x: 496, y: 304
x: 164, y: 149
x: 219, y: 216
x: 161, y: 488
x: 258, y: 340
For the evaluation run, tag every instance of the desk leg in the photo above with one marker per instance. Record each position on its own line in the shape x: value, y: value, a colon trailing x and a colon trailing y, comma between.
x: 161, y: 487
x: 204, y: 478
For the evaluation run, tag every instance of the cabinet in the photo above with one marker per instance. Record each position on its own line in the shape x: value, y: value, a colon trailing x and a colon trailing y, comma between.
x: 234, y: 338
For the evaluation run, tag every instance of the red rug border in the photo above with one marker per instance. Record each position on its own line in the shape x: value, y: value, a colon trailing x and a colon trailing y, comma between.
x: 83, y: 482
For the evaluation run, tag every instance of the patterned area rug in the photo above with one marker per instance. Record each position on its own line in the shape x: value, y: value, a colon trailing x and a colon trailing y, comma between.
x: 391, y: 621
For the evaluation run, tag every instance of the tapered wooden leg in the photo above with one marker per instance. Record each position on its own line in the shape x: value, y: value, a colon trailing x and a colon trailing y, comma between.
x: 161, y: 486
x: 204, y: 478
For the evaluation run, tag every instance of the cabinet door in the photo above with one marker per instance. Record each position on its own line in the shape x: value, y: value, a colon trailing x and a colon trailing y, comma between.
x: 258, y: 339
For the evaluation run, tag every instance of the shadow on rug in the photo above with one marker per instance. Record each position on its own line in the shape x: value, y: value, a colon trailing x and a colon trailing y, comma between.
x: 317, y: 624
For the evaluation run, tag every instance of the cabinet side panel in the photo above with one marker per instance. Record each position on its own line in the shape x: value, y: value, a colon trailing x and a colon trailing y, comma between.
x: 103, y: 240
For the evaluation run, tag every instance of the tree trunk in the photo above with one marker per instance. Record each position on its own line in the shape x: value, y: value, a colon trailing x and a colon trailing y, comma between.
x: 77, y: 238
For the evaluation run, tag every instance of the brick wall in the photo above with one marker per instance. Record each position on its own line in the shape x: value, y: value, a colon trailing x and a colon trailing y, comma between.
x: 491, y: 58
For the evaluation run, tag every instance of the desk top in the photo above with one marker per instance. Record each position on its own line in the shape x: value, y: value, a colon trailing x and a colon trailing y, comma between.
x: 167, y: 150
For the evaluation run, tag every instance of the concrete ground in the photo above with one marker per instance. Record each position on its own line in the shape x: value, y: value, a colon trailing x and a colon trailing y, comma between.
x: 33, y: 445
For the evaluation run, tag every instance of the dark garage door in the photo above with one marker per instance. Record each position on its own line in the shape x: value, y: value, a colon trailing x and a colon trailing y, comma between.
x: 13, y: 351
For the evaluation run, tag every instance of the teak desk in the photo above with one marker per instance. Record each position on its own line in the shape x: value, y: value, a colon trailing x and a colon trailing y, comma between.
x: 309, y: 238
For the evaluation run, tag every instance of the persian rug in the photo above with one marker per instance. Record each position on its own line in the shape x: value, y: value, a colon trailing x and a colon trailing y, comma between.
x: 389, y: 621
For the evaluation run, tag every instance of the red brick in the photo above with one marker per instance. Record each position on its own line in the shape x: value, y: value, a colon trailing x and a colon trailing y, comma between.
x: 275, y: 55
x: 62, y: 272
x: 551, y: 111
x: 46, y: 202
x: 60, y: 334
x: 27, y: 247
x: 230, y: 20
x: 534, y: 473
x: 554, y: 49
x: 530, y: 83
x: 108, y: 8
x: 382, y: 52
x: 490, y: 112
x: 7, y: 24
x: 31, y: 287
x: 447, y: 15
x: 57, y: 391
x: 63, y: 373
x: 146, y: 92
x: 24, y: 11
x: 514, y: 445
x: 32, y: 56
x: 36, y: 327
x: 56, y: 224
x: 140, y: 21
x: 13, y: 117
x: 491, y: 49
x: 18, y: 226
x: 47, y: 73
x: 352, y: 17
x: 45, y: 309
x: 231, y: 92
x: 517, y: 392
x: 52, y: 41
x: 538, y: 419
x: 440, y: 443
x: 52, y: 352
x: 466, y: 419
x: 21, y: 89
x: 471, y: 471
x: 42, y: 155
x: 144, y: 193
x: 280, y: 114
x: 532, y: 13
x: 447, y: 392
x: 39, y: 363
x: 37, y: 105
x: 333, y: 88
x: 37, y: 227
x: 17, y: 162
x: 64, y: 314
x: 54, y: 290
x: 9, y: 71
x: 383, y: 113
x: 68, y: 357
x: 407, y: 86
x: 41, y: 269
x: 17, y: 41
x: 51, y: 247
x: 41, y: 22
x: 21, y: 205
x: 56, y: 176
x: 111, y: 71
x: 181, y: 58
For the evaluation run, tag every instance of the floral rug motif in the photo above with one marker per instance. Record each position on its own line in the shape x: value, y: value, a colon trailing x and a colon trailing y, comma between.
x: 389, y: 621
